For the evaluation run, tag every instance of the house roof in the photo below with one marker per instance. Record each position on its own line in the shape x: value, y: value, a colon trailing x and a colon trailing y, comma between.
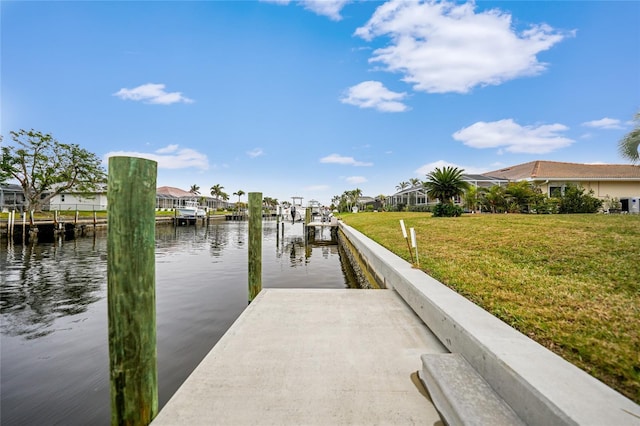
x: 173, y: 192
x: 540, y: 170
x: 10, y: 187
x: 482, y: 178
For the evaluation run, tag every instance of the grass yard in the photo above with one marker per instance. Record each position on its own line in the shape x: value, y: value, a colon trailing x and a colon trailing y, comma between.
x: 570, y: 282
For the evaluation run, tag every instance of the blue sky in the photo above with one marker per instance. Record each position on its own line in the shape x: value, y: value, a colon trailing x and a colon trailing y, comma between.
x: 314, y: 98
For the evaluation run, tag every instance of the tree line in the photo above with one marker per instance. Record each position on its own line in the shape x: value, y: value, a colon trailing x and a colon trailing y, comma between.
x: 45, y: 167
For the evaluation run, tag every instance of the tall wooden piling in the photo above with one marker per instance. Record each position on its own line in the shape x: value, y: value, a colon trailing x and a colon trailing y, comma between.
x: 131, y: 290
x: 255, y: 244
x: 10, y: 222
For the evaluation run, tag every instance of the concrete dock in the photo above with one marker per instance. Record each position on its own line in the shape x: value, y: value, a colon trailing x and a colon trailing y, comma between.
x: 320, y: 357
x: 312, y: 357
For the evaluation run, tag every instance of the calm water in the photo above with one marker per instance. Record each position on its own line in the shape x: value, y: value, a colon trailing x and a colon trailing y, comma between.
x: 54, y: 350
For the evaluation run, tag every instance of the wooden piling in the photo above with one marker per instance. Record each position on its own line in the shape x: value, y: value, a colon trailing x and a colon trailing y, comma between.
x: 255, y: 244
x: 10, y: 222
x: 278, y: 226
x: 131, y: 290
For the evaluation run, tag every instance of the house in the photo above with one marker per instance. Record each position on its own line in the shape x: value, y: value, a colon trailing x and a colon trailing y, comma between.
x: 417, y: 196
x: 11, y: 197
x: 85, y: 201
x: 608, y: 181
x: 168, y: 197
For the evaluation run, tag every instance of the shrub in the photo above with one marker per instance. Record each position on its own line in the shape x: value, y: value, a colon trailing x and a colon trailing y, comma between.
x: 574, y: 200
x: 447, y: 210
x: 420, y: 208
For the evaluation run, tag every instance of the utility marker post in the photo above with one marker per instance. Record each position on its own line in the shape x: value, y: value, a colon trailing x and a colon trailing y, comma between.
x: 131, y: 294
x: 255, y: 244
x: 414, y: 244
x: 404, y: 235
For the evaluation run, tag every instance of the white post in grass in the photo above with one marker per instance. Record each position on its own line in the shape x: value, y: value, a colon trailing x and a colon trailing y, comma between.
x: 414, y: 244
x: 404, y: 234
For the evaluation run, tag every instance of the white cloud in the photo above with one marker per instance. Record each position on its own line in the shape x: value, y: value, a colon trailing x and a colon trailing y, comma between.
x: 425, y: 169
x: 513, y: 137
x: 167, y: 149
x: 354, y: 180
x: 256, y: 152
x: 329, y: 8
x: 339, y: 159
x: 605, y: 123
x: 152, y: 93
x: 448, y: 47
x: 169, y: 157
x: 373, y: 94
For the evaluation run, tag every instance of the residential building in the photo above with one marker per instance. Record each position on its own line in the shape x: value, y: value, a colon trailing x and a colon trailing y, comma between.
x: 608, y: 181
x: 85, y: 201
x: 11, y: 197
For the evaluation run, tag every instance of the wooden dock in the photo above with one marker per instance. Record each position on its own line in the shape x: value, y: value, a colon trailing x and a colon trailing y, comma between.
x: 311, y: 227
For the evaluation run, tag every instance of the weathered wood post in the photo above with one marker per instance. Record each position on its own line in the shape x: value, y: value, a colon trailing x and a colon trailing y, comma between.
x: 255, y: 244
x: 277, y: 226
x: 24, y: 227
x: 10, y: 222
x: 131, y: 290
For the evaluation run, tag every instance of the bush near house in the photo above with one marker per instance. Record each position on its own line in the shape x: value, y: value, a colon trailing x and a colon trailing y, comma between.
x: 569, y: 281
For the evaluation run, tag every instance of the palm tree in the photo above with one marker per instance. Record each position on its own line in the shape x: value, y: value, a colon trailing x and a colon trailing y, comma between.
x: 335, y: 201
x: 414, y: 182
x: 520, y: 194
x: 239, y: 193
x: 195, y: 189
x: 216, y: 191
x: 629, y: 145
x: 445, y: 183
x: 357, y: 194
x: 402, y: 186
x: 270, y: 202
x: 471, y: 198
x: 494, y: 199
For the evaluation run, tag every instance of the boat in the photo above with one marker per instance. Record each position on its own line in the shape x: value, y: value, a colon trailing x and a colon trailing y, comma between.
x: 295, y: 211
x: 316, y: 210
x: 191, y: 210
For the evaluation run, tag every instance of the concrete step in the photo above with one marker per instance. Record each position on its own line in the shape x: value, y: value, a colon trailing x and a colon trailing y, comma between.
x: 461, y: 395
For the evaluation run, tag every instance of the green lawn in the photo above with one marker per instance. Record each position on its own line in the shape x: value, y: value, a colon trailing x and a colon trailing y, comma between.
x: 570, y: 282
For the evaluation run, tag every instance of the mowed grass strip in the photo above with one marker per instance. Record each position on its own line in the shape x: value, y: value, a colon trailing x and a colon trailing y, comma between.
x: 570, y: 282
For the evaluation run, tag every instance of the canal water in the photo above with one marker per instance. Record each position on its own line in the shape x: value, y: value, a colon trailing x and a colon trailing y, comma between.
x: 54, y: 365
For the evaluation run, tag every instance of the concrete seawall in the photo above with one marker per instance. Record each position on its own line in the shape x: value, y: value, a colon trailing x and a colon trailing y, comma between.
x: 541, y: 387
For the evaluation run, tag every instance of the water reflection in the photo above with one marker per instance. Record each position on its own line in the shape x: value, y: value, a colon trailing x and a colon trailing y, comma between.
x: 54, y: 349
x: 43, y: 282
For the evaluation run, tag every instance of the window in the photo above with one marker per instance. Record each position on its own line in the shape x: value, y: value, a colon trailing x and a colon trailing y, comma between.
x: 555, y: 191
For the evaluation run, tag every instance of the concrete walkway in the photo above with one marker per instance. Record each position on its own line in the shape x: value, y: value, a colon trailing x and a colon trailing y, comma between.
x: 312, y: 357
